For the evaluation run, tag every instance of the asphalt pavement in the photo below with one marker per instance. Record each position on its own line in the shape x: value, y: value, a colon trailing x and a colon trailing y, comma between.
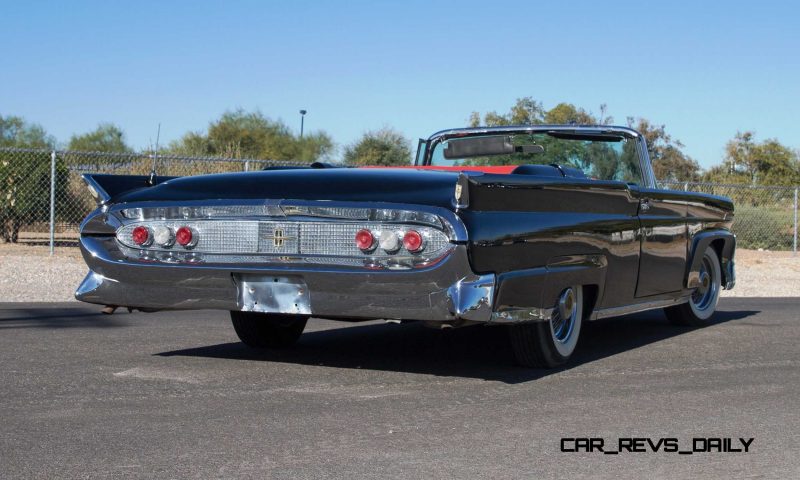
x: 174, y: 395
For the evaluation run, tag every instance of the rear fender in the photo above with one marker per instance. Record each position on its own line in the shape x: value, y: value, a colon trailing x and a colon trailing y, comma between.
x: 700, y: 242
x: 540, y: 287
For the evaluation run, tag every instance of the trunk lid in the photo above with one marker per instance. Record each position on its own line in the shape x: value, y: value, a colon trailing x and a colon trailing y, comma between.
x: 435, y: 188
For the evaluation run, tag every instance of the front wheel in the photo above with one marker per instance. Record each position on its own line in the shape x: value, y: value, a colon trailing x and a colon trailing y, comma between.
x: 267, y: 330
x: 551, y: 343
x: 702, y: 304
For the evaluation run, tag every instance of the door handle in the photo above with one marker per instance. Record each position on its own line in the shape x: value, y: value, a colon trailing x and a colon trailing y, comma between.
x: 644, y: 205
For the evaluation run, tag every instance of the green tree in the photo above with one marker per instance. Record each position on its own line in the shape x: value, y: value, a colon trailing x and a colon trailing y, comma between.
x: 569, y: 113
x: 385, y: 147
x: 756, y: 163
x: 16, y: 132
x: 666, y: 154
x: 525, y: 111
x: 107, y: 137
x: 241, y: 134
x: 25, y: 176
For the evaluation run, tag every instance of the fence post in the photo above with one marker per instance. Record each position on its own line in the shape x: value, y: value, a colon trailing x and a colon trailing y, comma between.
x: 794, y: 238
x: 247, y: 165
x: 52, y: 202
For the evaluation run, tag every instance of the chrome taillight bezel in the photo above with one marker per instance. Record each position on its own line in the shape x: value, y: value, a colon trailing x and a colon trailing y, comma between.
x: 163, y: 236
x: 148, y: 239
x: 194, y: 236
x: 420, y: 247
x: 234, y: 232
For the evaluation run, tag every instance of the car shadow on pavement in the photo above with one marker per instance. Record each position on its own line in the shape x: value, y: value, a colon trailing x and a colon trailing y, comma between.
x: 473, y: 352
x: 53, y: 316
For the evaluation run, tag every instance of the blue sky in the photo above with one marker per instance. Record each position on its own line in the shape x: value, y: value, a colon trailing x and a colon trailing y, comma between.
x: 705, y: 69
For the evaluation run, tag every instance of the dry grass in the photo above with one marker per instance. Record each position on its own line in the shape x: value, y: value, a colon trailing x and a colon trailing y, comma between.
x: 29, y: 273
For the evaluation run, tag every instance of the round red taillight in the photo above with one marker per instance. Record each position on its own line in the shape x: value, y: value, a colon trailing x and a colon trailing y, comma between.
x: 141, y: 236
x: 413, y: 241
x: 365, y: 240
x: 185, y: 237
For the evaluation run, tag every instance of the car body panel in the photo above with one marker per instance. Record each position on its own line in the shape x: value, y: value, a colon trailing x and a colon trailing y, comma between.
x: 662, y: 214
x: 519, y: 237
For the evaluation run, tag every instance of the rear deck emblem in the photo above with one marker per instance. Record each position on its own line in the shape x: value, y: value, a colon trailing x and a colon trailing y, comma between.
x: 279, y: 237
x: 282, y: 238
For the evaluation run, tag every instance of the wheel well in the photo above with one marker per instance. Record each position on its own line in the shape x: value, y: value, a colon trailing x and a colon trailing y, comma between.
x: 718, y: 245
x: 589, y: 299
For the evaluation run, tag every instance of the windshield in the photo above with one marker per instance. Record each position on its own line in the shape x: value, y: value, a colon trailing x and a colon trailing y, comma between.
x: 598, y: 157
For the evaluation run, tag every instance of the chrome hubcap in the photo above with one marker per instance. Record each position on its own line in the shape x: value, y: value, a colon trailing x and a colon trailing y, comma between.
x: 563, y: 319
x: 704, y: 295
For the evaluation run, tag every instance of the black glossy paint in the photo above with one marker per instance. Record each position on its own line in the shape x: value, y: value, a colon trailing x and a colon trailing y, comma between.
x: 662, y: 214
x: 523, y: 223
x: 538, y: 233
x: 340, y: 184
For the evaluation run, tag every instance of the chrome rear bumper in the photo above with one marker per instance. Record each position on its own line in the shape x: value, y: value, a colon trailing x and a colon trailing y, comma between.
x: 445, y: 291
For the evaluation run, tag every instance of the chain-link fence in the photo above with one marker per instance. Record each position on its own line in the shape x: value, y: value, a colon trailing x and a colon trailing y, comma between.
x: 43, y: 199
x: 765, y: 216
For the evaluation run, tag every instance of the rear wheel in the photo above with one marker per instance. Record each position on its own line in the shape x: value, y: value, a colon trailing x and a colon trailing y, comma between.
x: 702, y: 304
x: 551, y: 343
x: 267, y: 330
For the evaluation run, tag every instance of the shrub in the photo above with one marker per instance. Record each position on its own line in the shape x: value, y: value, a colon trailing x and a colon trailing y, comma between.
x: 764, y: 226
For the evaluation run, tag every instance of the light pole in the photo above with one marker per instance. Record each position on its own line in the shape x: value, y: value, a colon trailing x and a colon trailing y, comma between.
x: 302, y: 118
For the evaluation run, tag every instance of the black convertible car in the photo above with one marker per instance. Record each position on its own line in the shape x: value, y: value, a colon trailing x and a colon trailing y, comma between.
x: 534, y: 228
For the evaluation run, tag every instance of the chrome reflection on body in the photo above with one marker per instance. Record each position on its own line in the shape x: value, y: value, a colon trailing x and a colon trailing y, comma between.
x: 636, y: 308
x: 90, y: 283
x: 522, y: 315
x: 96, y: 191
x: 471, y: 298
x: 223, y: 211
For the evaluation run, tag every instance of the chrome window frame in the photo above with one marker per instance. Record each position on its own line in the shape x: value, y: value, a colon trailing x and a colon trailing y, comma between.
x: 646, y: 172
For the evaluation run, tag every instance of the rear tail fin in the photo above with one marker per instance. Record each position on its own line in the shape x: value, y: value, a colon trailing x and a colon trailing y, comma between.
x: 104, y: 187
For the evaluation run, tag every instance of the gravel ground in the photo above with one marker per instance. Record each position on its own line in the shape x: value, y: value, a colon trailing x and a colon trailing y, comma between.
x: 28, y: 273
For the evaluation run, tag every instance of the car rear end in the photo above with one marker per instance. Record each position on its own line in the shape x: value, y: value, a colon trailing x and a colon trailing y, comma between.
x: 328, y: 258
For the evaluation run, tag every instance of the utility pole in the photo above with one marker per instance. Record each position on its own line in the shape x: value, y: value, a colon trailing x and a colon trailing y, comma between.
x: 302, y: 118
